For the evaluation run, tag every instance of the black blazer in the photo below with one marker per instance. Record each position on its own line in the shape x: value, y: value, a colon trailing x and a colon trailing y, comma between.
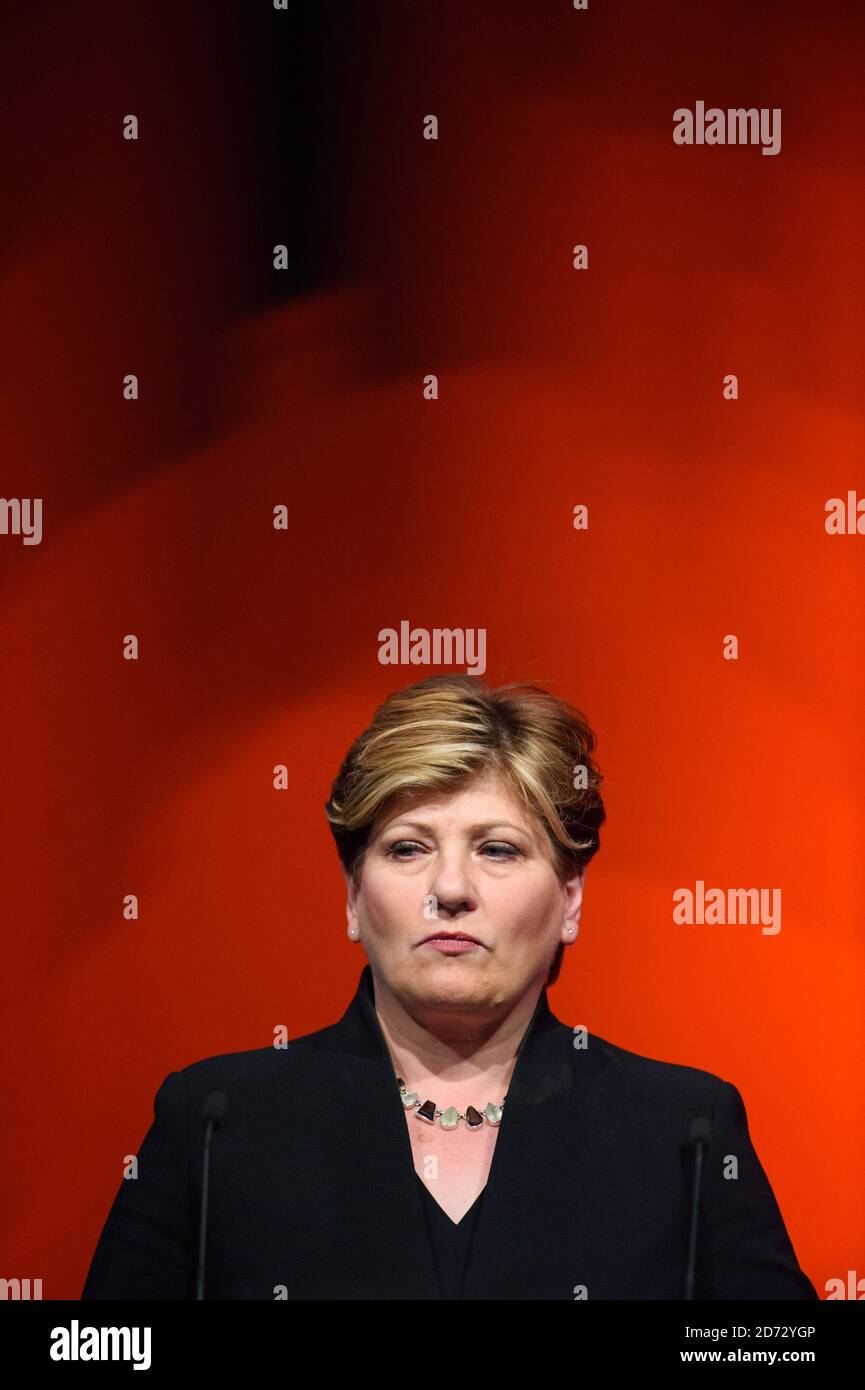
x: 313, y: 1192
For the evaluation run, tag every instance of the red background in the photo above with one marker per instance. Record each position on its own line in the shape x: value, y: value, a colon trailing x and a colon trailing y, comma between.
x: 259, y: 647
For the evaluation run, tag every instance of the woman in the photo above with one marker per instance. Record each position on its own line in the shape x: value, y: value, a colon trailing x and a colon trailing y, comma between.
x: 449, y: 1137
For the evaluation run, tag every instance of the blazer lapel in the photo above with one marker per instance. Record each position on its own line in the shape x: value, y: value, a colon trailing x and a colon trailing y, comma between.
x: 387, y: 1217
x: 524, y: 1244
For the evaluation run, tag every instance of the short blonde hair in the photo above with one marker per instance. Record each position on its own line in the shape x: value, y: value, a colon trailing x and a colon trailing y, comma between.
x: 444, y: 732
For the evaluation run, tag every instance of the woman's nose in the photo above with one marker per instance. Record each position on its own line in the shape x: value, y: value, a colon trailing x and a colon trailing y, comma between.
x: 451, y: 881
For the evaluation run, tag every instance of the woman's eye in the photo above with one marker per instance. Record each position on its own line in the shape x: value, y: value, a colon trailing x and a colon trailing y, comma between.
x: 394, y: 851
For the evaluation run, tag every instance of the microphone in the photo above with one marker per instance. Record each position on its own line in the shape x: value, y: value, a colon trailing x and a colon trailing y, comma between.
x: 700, y: 1135
x: 211, y: 1117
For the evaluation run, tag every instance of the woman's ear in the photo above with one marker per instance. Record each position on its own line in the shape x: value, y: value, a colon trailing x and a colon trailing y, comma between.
x: 573, y: 906
x: 351, y: 897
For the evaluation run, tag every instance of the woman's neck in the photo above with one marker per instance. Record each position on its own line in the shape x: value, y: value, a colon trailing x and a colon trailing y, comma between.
x: 452, y: 1045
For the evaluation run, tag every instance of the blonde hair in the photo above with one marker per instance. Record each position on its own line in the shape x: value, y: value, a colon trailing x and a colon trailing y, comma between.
x: 443, y: 732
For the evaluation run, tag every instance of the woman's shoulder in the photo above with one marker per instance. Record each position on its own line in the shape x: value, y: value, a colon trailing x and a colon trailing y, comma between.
x: 646, y: 1077
x: 256, y: 1065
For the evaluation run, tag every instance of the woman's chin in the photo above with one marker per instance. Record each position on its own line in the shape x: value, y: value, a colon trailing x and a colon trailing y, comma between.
x: 451, y: 983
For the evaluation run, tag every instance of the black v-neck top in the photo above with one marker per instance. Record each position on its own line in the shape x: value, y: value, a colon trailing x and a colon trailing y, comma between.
x: 450, y: 1242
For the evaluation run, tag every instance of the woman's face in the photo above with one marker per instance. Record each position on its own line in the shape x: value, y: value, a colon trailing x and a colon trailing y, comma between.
x: 468, y: 862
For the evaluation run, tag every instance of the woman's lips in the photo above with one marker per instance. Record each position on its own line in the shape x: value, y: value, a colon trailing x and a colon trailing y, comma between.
x: 451, y: 945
